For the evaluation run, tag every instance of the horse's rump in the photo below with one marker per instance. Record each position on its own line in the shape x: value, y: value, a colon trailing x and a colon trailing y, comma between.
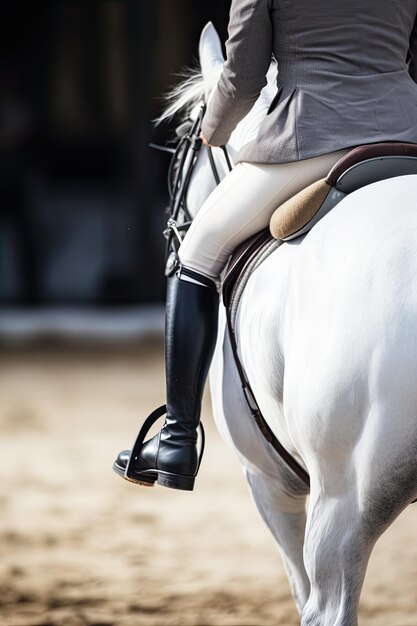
x: 350, y: 344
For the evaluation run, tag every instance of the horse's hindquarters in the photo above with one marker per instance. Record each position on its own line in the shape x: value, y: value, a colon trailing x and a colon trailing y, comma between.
x: 329, y: 342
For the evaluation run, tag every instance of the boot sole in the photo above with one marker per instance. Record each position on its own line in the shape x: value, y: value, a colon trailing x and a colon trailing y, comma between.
x: 176, y: 481
x: 165, y: 479
x: 140, y: 479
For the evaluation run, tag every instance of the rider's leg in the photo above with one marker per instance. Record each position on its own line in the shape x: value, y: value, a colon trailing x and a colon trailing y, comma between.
x: 240, y: 206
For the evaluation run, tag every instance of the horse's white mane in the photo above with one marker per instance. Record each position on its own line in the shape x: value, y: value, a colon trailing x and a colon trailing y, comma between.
x: 192, y: 90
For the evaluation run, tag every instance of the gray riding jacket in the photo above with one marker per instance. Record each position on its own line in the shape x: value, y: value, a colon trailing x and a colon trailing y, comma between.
x: 347, y: 74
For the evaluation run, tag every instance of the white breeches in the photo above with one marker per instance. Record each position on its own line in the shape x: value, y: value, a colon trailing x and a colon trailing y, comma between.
x: 242, y: 204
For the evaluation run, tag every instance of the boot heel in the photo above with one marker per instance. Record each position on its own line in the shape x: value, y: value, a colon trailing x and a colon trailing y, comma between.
x: 176, y: 481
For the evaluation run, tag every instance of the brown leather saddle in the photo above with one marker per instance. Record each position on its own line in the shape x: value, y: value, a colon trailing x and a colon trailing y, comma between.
x: 361, y: 166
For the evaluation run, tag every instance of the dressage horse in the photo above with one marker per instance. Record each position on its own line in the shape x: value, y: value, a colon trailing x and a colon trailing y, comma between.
x: 327, y: 333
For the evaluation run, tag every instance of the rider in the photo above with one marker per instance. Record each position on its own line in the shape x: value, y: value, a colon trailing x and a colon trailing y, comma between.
x: 347, y: 74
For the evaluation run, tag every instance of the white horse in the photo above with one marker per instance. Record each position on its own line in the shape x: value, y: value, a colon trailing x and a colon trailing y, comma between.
x: 327, y: 333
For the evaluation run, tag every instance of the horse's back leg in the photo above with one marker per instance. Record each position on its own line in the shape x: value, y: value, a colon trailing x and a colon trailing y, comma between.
x: 343, y: 524
x: 336, y: 553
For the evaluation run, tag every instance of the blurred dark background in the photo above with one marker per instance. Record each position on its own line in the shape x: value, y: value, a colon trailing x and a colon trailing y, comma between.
x: 82, y: 197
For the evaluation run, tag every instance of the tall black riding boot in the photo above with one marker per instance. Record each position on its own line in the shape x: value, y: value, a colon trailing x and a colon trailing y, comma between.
x: 171, y: 457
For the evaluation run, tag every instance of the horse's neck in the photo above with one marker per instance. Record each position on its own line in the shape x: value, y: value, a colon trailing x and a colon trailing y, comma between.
x: 246, y: 131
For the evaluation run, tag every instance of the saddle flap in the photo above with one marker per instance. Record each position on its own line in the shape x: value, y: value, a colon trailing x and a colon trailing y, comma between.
x: 239, y: 259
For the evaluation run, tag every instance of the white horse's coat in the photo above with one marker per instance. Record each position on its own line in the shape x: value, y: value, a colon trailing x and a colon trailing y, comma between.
x: 327, y: 331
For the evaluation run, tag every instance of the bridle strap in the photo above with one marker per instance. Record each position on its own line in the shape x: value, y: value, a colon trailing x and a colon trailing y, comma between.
x: 182, y: 180
x: 178, y: 186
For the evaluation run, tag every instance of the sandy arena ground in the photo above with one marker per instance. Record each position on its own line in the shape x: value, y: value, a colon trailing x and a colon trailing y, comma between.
x: 79, y: 546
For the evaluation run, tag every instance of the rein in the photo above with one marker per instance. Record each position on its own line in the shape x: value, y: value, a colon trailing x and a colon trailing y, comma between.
x: 181, y: 168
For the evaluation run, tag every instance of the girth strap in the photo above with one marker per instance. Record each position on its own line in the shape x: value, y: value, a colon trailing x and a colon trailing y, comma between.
x: 257, y: 415
x: 259, y: 243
